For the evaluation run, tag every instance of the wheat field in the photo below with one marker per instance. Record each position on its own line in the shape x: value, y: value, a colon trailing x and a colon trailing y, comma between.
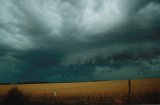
x: 118, y: 88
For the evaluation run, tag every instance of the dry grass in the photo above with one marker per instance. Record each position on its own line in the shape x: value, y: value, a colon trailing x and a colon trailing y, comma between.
x: 87, y: 92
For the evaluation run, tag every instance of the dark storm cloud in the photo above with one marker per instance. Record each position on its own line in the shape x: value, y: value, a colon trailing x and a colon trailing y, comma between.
x: 68, y: 40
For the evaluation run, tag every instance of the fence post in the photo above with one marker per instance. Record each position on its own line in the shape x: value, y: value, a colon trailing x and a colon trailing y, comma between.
x: 129, y: 91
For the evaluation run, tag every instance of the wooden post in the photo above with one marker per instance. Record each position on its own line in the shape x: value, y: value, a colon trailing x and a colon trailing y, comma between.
x: 129, y: 91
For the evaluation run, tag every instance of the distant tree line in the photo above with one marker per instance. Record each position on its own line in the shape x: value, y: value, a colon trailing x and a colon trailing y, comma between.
x: 45, y: 82
x: 25, y: 82
x: 5, y: 83
x: 32, y: 82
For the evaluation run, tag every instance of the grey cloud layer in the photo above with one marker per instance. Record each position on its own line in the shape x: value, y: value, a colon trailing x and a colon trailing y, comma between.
x: 68, y: 38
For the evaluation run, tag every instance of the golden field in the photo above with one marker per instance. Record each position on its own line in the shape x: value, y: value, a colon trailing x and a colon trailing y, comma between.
x: 82, y: 88
x: 117, y: 88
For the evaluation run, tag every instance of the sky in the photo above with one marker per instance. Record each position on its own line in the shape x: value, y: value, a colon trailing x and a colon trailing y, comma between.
x: 79, y: 40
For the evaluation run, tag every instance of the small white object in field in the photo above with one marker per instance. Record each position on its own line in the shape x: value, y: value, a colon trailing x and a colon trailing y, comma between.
x: 55, y: 93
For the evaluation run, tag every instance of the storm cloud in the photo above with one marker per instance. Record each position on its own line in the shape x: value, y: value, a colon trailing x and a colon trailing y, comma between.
x: 79, y: 40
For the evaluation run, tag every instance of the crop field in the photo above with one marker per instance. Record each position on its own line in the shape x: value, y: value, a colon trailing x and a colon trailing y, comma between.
x: 102, y: 92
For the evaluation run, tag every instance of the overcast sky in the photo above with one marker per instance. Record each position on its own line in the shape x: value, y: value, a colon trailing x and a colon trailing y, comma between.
x: 79, y: 40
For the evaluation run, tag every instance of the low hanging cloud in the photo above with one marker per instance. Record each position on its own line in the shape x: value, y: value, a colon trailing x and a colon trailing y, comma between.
x: 77, y: 40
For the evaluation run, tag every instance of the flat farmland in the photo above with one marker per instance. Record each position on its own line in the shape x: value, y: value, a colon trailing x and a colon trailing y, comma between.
x: 117, y: 88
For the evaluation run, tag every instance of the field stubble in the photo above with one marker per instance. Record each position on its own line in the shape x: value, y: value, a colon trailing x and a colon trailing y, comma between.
x: 89, y: 93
